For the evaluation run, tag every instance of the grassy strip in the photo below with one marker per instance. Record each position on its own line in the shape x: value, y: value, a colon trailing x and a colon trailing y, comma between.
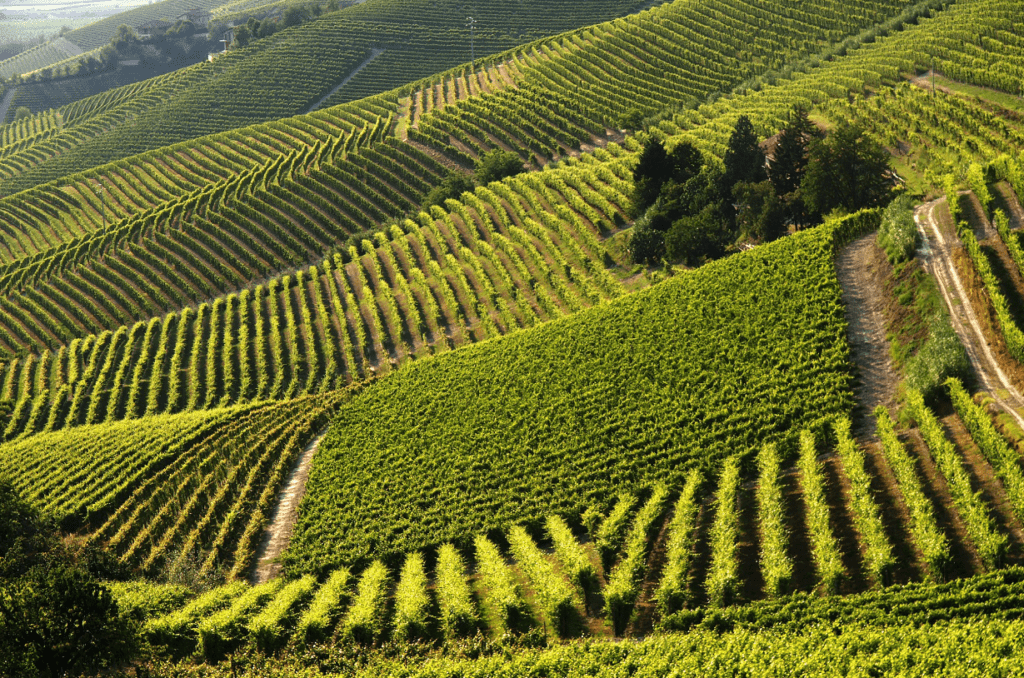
x: 316, y: 622
x: 176, y: 631
x: 627, y: 577
x: 458, y: 614
x: 1007, y: 324
x: 723, y: 574
x: 223, y: 631
x: 554, y: 594
x: 364, y: 622
x: 503, y: 594
x: 575, y: 563
x: 269, y: 628
x: 1004, y: 460
x: 412, y: 602
x: 612, y: 532
x: 674, y: 588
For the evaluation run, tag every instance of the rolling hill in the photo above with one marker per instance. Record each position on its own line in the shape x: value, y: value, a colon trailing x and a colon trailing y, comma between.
x: 236, y: 335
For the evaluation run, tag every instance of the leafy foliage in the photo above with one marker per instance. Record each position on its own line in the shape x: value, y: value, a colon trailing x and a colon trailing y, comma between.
x: 57, y: 619
x: 780, y: 302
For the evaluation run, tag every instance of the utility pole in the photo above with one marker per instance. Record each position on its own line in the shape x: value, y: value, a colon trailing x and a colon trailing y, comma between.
x: 933, y: 76
x: 472, y: 46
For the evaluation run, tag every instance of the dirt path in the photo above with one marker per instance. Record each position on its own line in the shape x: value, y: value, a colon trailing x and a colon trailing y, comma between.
x: 374, y: 53
x: 282, y: 521
x: 876, y: 379
x: 937, y: 255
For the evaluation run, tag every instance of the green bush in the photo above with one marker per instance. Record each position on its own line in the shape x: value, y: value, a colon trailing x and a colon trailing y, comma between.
x: 941, y: 357
x: 57, y: 620
x: 497, y: 165
x: 898, y: 234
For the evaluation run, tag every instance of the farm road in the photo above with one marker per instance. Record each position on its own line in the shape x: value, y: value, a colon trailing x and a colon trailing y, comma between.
x: 937, y: 255
x: 282, y: 521
x: 875, y: 383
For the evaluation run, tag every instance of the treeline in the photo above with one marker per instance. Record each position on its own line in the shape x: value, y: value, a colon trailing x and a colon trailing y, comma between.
x: 690, y: 208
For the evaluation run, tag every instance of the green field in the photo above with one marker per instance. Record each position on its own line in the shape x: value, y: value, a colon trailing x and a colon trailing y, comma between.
x: 310, y: 410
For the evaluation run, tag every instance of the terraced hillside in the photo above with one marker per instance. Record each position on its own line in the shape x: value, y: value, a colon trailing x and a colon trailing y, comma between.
x: 688, y: 561
x: 570, y: 416
x: 90, y: 211
x: 518, y: 436
x: 302, y: 217
x: 291, y: 71
x: 37, y: 57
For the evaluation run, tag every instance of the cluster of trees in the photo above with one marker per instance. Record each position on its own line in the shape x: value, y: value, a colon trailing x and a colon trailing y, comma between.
x: 493, y: 166
x: 56, y: 619
x: 254, y: 28
x: 689, y: 208
x: 178, y: 47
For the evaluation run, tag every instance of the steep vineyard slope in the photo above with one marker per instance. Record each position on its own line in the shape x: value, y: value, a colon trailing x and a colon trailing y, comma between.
x: 648, y: 72
x: 285, y: 74
x: 646, y: 388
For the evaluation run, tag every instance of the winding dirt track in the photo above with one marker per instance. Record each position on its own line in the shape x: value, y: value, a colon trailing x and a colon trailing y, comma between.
x: 282, y: 521
x: 875, y: 383
x: 374, y: 53
x: 937, y: 255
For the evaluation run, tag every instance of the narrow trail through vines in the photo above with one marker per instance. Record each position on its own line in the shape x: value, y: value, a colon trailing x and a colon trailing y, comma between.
x: 374, y: 53
x: 282, y: 521
x: 876, y: 379
x: 937, y: 254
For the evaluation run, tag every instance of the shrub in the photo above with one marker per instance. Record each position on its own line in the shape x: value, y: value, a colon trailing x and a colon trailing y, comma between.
x: 57, y: 620
x: 898, y: 234
x: 497, y: 165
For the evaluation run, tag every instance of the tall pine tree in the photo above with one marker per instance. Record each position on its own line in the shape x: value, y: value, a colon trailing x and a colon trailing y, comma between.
x: 791, y: 153
x: 744, y: 159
